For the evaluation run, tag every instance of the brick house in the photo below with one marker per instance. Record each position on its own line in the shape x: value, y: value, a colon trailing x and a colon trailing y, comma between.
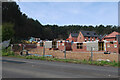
x: 79, y: 40
x: 112, y: 42
x: 83, y: 38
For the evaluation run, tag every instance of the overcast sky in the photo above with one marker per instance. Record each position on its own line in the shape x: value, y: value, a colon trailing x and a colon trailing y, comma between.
x: 68, y: 13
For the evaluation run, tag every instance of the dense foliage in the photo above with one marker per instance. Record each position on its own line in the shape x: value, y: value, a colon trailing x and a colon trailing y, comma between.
x: 25, y: 27
x: 7, y: 31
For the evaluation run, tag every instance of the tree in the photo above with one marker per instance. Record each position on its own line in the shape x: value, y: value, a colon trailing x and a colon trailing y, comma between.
x: 25, y: 27
x: 7, y: 31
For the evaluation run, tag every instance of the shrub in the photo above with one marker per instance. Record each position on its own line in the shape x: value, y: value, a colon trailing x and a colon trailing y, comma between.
x: 7, y: 52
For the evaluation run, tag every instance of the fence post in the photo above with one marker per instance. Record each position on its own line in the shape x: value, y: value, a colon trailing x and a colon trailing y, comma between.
x: 43, y: 50
x: 65, y: 52
x: 91, y: 54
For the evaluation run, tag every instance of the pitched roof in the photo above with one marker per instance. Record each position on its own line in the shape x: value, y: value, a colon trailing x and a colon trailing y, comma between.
x: 74, y: 34
x: 89, y: 33
x: 102, y: 36
x: 113, y: 34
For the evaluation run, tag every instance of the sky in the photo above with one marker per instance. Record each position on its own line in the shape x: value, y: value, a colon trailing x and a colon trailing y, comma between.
x: 72, y: 13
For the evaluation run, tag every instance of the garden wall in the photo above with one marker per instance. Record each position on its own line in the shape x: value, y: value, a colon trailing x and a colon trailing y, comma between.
x: 82, y: 55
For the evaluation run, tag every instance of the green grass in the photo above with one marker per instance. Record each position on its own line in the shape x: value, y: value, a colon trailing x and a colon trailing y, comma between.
x: 98, y: 63
x: 7, y: 52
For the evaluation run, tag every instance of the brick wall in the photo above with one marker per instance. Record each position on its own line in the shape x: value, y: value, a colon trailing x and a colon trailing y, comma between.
x: 74, y: 47
x: 112, y: 47
x: 80, y: 38
x: 61, y: 46
x: 81, y: 56
x: 74, y: 55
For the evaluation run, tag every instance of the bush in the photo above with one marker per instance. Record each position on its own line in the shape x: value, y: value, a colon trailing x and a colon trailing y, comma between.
x: 7, y: 52
x: 84, y: 61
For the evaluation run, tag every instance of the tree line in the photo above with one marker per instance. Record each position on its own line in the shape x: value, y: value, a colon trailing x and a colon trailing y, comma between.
x: 25, y: 27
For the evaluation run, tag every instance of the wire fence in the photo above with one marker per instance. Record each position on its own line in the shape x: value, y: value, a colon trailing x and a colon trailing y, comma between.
x: 65, y: 51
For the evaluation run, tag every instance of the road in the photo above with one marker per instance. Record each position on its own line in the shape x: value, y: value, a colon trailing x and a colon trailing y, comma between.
x: 26, y: 68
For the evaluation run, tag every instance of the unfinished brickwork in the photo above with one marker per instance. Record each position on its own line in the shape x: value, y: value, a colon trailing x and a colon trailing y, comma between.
x: 72, y: 55
x: 82, y: 55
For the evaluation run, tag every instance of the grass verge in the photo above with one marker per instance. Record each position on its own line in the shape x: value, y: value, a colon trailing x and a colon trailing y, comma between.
x: 8, y: 53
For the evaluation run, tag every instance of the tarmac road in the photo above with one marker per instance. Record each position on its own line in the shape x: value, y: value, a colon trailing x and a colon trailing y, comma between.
x: 25, y: 68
